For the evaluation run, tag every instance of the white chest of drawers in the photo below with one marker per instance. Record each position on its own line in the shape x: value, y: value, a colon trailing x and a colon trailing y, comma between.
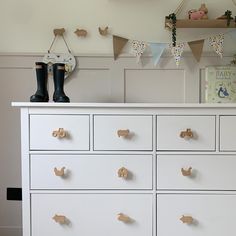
x: 128, y: 169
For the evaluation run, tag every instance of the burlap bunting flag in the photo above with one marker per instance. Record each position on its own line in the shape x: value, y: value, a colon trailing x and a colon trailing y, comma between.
x: 118, y: 45
x: 197, y: 47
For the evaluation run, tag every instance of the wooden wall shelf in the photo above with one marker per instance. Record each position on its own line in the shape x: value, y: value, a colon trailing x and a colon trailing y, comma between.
x: 201, y: 24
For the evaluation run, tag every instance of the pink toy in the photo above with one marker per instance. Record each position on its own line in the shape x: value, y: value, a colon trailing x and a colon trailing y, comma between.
x: 198, y: 15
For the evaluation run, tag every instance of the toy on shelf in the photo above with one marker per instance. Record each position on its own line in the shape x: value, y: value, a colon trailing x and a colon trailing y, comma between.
x: 200, y: 14
x: 205, y: 10
x: 199, y: 19
x: 196, y: 15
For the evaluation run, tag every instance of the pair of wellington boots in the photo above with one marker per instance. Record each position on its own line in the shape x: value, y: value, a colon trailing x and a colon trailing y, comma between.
x: 41, y: 94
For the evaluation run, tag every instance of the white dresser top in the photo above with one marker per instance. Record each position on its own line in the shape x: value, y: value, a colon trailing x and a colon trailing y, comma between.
x: 125, y: 105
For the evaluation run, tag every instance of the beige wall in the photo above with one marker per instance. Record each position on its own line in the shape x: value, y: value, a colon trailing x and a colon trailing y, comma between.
x: 27, y: 25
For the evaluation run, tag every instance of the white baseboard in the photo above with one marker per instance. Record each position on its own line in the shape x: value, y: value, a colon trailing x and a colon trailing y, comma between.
x: 10, y: 231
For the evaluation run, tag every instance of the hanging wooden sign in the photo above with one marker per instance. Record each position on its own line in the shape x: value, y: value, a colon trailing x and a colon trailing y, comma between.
x: 67, y: 58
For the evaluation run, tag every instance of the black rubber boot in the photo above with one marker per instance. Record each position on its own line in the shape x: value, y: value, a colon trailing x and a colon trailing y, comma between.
x: 58, y: 78
x: 41, y: 94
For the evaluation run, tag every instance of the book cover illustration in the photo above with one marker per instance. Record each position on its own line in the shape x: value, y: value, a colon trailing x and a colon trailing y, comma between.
x: 220, y: 84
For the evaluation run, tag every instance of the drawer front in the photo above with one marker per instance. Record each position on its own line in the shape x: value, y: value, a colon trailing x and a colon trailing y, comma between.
x: 59, y: 132
x: 196, y: 172
x: 227, y: 133
x: 203, y: 215
x: 92, y: 214
x: 186, y: 133
x: 122, y: 132
x: 91, y: 172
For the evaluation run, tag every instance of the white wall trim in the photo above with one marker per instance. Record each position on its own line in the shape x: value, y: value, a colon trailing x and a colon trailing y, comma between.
x: 10, y: 230
x: 108, y: 82
x: 124, y: 55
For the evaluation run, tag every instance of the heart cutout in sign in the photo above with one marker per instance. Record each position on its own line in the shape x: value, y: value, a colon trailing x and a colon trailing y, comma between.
x: 66, y: 58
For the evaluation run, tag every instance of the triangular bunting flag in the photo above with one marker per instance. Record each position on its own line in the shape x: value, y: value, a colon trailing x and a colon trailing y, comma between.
x: 196, y: 47
x: 177, y: 51
x: 217, y: 42
x: 157, y: 50
x: 233, y: 34
x: 118, y: 45
x: 138, y: 48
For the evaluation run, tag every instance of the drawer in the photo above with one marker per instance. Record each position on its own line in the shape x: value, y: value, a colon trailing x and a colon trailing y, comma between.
x: 227, y: 133
x: 196, y: 172
x: 186, y: 133
x: 59, y: 132
x: 207, y: 215
x: 122, y: 132
x: 91, y: 214
x: 91, y: 172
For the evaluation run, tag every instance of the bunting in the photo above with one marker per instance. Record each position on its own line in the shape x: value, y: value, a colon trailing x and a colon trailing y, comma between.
x: 177, y: 52
x: 157, y: 50
x: 233, y: 34
x: 196, y: 48
x: 138, y: 48
x: 216, y: 42
x: 118, y: 45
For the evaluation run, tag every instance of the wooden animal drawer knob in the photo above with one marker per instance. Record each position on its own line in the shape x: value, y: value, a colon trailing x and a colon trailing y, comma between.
x: 123, y: 173
x: 123, y: 133
x: 187, y: 219
x: 187, y: 172
x: 123, y: 218
x: 186, y: 134
x: 59, y: 219
x: 60, y: 133
x: 60, y: 172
